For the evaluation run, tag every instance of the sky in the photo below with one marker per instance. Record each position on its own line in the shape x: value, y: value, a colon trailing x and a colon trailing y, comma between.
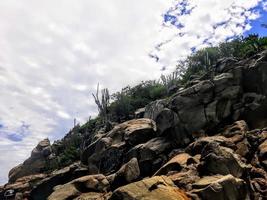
x: 54, y: 53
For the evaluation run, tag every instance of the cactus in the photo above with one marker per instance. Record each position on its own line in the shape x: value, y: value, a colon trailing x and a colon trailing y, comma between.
x: 103, y: 103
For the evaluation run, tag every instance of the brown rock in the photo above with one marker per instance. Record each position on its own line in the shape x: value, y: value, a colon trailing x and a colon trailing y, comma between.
x: 243, y: 148
x: 134, y: 131
x: 157, y: 188
x: 130, y: 171
x: 94, y: 196
x: 176, y: 164
x: 64, y: 192
x: 258, y: 183
x: 198, y: 146
x: 238, y: 128
x: 45, y: 187
x: 97, y: 183
x: 185, y: 178
x: 220, y: 188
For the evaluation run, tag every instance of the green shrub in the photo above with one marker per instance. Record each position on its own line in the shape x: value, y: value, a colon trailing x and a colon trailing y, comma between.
x: 203, y: 61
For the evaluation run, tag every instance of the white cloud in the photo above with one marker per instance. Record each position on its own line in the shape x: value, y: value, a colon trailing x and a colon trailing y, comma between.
x: 53, y: 54
x: 212, y: 21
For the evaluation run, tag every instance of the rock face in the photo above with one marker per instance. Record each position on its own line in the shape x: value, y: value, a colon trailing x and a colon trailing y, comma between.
x: 106, y: 154
x: 206, y: 104
x: 188, y: 146
x: 33, y: 165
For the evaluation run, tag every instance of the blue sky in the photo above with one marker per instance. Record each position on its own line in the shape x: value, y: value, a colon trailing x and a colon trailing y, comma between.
x: 51, y: 60
x: 256, y: 25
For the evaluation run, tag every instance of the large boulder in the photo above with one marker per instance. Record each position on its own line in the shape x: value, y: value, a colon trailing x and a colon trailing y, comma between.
x: 34, y: 164
x: 91, y: 183
x: 169, y: 125
x: 237, y: 128
x: 22, y: 185
x: 216, y: 159
x: 157, y: 188
x: 154, y: 108
x: 106, y: 154
x: 220, y: 188
x: 44, y: 188
x: 255, y: 83
x: 128, y: 173
x: 198, y: 146
x: 150, y: 155
x: 167, y: 121
x: 176, y: 164
x: 190, y: 103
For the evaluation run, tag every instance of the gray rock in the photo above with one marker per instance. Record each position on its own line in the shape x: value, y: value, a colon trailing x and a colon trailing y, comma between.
x: 154, y: 108
x: 105, y: 154
x: 221, y: 160
x: 150, y: 155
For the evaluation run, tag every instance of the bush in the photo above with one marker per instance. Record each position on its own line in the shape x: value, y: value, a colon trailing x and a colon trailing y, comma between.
x: 126, y: 102
x: 203, y: 61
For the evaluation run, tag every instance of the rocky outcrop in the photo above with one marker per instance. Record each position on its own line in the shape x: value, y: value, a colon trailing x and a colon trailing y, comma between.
x: 40, y: 186
x: 106, y: 154
x: 208, y: 104
x: 34, y: 164
x: 206, y: 141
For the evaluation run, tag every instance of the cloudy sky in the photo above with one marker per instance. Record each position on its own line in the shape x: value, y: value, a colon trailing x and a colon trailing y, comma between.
x: 53, y: 54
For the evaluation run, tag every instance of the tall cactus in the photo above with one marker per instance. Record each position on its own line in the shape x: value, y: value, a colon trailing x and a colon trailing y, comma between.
x: 103, y: 103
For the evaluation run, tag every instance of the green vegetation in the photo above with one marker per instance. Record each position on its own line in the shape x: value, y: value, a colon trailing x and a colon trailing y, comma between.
x: 66, y: 151
x: 131, y: 98
x: 203, y: 60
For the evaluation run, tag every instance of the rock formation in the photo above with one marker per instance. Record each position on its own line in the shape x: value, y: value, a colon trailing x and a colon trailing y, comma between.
x: 207, y: 141
x: 34, y: 164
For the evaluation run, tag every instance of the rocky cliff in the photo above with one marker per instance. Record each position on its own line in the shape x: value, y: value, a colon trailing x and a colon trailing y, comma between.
x: 207, y: 141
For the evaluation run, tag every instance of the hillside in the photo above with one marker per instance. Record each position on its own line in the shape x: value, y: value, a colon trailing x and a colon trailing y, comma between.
x: 205, y: 138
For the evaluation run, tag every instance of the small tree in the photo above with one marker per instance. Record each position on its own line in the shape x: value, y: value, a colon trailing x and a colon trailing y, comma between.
x: 102, y: 103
